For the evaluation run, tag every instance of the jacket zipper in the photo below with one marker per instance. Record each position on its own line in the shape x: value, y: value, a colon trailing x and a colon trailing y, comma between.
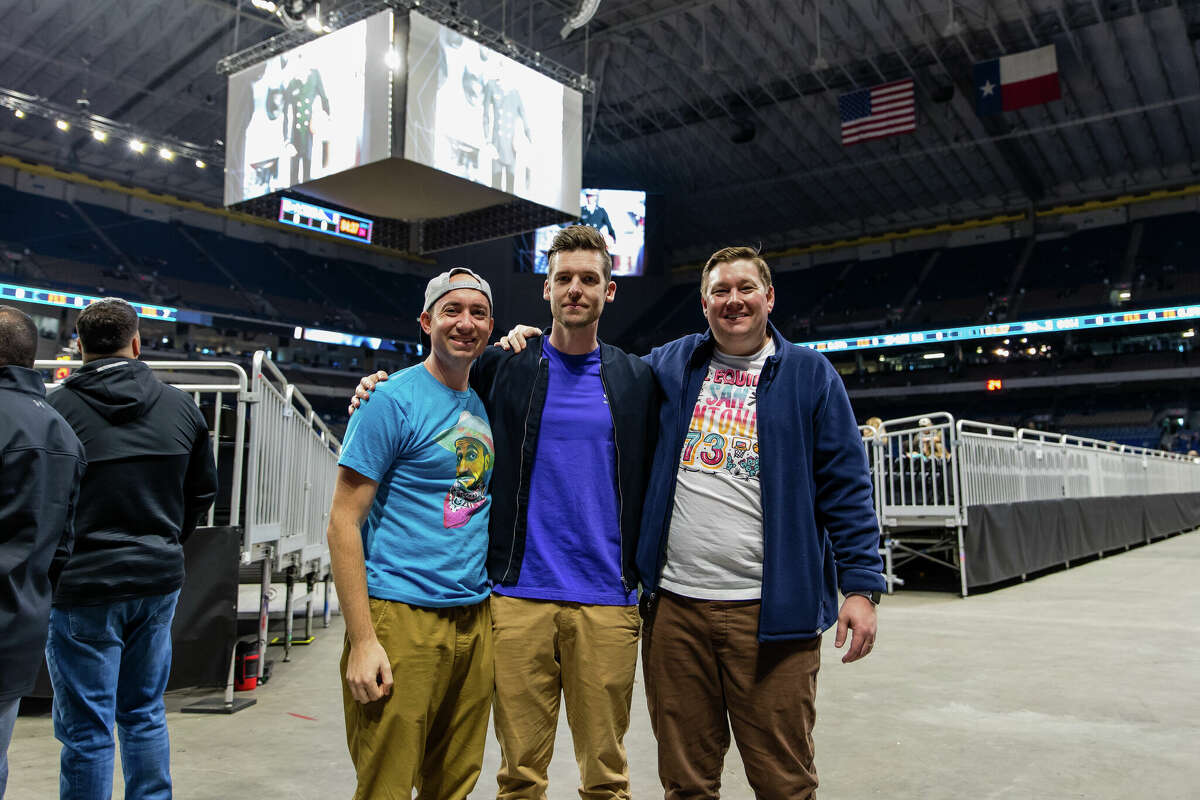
x: 764, y: 379
x: 620, y: 496
x: 521, y: 474
x: 670, y: 510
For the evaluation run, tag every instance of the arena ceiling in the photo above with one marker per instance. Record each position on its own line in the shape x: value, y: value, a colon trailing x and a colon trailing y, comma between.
x: 727, y: 108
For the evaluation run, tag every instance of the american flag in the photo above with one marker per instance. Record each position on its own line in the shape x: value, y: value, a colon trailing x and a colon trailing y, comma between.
x: 877, y: 112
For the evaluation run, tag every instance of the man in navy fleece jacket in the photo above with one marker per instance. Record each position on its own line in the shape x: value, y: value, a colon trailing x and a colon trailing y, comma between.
x: 758, y: 511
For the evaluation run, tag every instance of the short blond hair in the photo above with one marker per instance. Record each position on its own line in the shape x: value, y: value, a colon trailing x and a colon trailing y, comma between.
x: 727, y: 255
x: 579, y: 237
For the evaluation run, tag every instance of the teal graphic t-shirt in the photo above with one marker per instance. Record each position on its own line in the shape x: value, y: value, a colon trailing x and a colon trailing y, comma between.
x: 430, y: 448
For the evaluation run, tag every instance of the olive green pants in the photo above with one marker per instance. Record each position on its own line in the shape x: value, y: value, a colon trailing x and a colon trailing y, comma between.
x: 429, y: 733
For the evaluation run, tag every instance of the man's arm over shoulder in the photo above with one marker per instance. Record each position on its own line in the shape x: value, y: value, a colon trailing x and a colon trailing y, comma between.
x: 844, y: 505
x: 378, y: 433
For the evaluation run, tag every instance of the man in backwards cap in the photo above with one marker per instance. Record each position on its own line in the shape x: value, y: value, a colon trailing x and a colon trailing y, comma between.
x: 408, y: 537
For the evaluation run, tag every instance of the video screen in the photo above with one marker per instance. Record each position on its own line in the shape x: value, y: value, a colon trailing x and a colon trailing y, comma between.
x: 313, y: 111
x: 474, y: 113
x: 619, y: 215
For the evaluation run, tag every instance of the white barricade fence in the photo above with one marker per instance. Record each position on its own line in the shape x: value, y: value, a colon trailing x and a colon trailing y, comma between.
x: 291, y: 467
x: 999, y: 464
x: 869, y: 433
x: 929, y: 469
x: 220, y: 390
x: 276, y: 467
x: 916, y: 480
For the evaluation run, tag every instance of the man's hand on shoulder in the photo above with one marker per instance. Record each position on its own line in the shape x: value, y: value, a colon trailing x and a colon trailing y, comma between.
x: 369, y: 672
x: 362, y: 393
x: 858, y: 616
x: 515, y: 339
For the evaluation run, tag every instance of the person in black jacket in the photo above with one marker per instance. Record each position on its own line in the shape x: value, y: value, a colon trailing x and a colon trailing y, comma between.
x: 573, y: 421
x: 41, y: 462
x: 150, y: 476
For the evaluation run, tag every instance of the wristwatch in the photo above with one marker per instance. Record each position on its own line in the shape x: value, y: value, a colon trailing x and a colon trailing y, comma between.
x: 874, y: 597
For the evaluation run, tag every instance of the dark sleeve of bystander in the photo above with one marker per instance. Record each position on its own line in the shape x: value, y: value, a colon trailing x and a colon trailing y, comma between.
x: 200, y: 483
x: 66, y: 542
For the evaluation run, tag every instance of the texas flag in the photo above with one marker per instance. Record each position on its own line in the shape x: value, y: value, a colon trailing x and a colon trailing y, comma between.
x: 1016, y: 81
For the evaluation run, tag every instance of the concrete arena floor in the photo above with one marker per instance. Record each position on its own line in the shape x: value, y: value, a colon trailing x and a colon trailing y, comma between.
x: 1081, y: 684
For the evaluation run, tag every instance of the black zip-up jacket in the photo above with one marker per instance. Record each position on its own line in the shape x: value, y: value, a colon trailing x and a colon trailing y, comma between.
x: 150, y: 476
x: 513, y: 389
x: 41, y: 462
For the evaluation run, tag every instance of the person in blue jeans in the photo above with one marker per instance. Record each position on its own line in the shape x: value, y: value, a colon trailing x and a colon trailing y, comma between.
x: 150, y: 476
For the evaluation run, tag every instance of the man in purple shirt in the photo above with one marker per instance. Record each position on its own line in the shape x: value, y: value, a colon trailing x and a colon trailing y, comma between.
x: 574, y: 426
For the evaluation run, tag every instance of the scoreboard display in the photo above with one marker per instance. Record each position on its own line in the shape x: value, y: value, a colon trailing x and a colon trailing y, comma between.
x: 317, y: 218
x: 51, y: 297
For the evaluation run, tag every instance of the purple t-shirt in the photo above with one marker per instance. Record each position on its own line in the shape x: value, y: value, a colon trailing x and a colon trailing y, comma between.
x: 572, y: 535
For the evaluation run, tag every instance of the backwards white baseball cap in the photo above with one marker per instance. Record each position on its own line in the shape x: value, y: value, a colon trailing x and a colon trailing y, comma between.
x: 443, y: 285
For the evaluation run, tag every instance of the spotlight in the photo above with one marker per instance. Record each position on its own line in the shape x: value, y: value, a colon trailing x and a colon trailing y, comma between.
x: 18, y: 113
x: 165, y: 154
x: 99, y: 135
x: 137, y: 145
x: 62, y: 124
x: 264, y: 5
x: 314, y: 24
x: 200, y: 164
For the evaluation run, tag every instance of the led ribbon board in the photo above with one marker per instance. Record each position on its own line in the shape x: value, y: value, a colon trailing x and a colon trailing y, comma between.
x: 50, y: 297
x: 967, y: 333
x: 325, y: 220
x: 344, y: 339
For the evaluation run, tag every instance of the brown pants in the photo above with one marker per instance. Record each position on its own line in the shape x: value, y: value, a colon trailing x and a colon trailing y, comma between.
x: 588, y: 655
x: 429, y: 733
x: 705, y: 669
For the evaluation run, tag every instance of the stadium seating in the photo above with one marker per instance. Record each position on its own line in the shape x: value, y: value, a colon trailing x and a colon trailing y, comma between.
x: 95, y: 249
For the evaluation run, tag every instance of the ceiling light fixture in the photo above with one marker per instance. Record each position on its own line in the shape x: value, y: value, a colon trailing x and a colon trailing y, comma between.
x: 18, y: 113
x: 99, y: 135
x: 62, y: 125
x: 137, y: 145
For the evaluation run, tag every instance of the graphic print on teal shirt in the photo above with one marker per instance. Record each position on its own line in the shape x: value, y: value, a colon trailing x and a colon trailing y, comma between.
x: 430, y: 449
x: 470, y: 439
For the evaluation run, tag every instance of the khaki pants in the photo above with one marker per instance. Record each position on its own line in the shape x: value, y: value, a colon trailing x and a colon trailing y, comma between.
x: 429, y: 733
x: 705, y: 669
x: 586, y: 653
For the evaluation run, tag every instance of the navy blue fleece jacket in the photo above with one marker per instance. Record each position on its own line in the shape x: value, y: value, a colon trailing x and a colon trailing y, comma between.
x: 820, y: 533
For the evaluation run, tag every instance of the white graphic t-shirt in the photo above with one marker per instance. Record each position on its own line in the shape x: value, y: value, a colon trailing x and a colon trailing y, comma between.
x: 715, y: 545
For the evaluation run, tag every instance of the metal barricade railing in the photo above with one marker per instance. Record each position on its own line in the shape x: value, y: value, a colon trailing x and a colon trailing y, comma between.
x: 869, y: 434
x: 1000, y: 464
x: 929, y: 469
x: 281, y: 456
x: 211, y: 384
x: 916, y: 479
x: 292, y: 465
